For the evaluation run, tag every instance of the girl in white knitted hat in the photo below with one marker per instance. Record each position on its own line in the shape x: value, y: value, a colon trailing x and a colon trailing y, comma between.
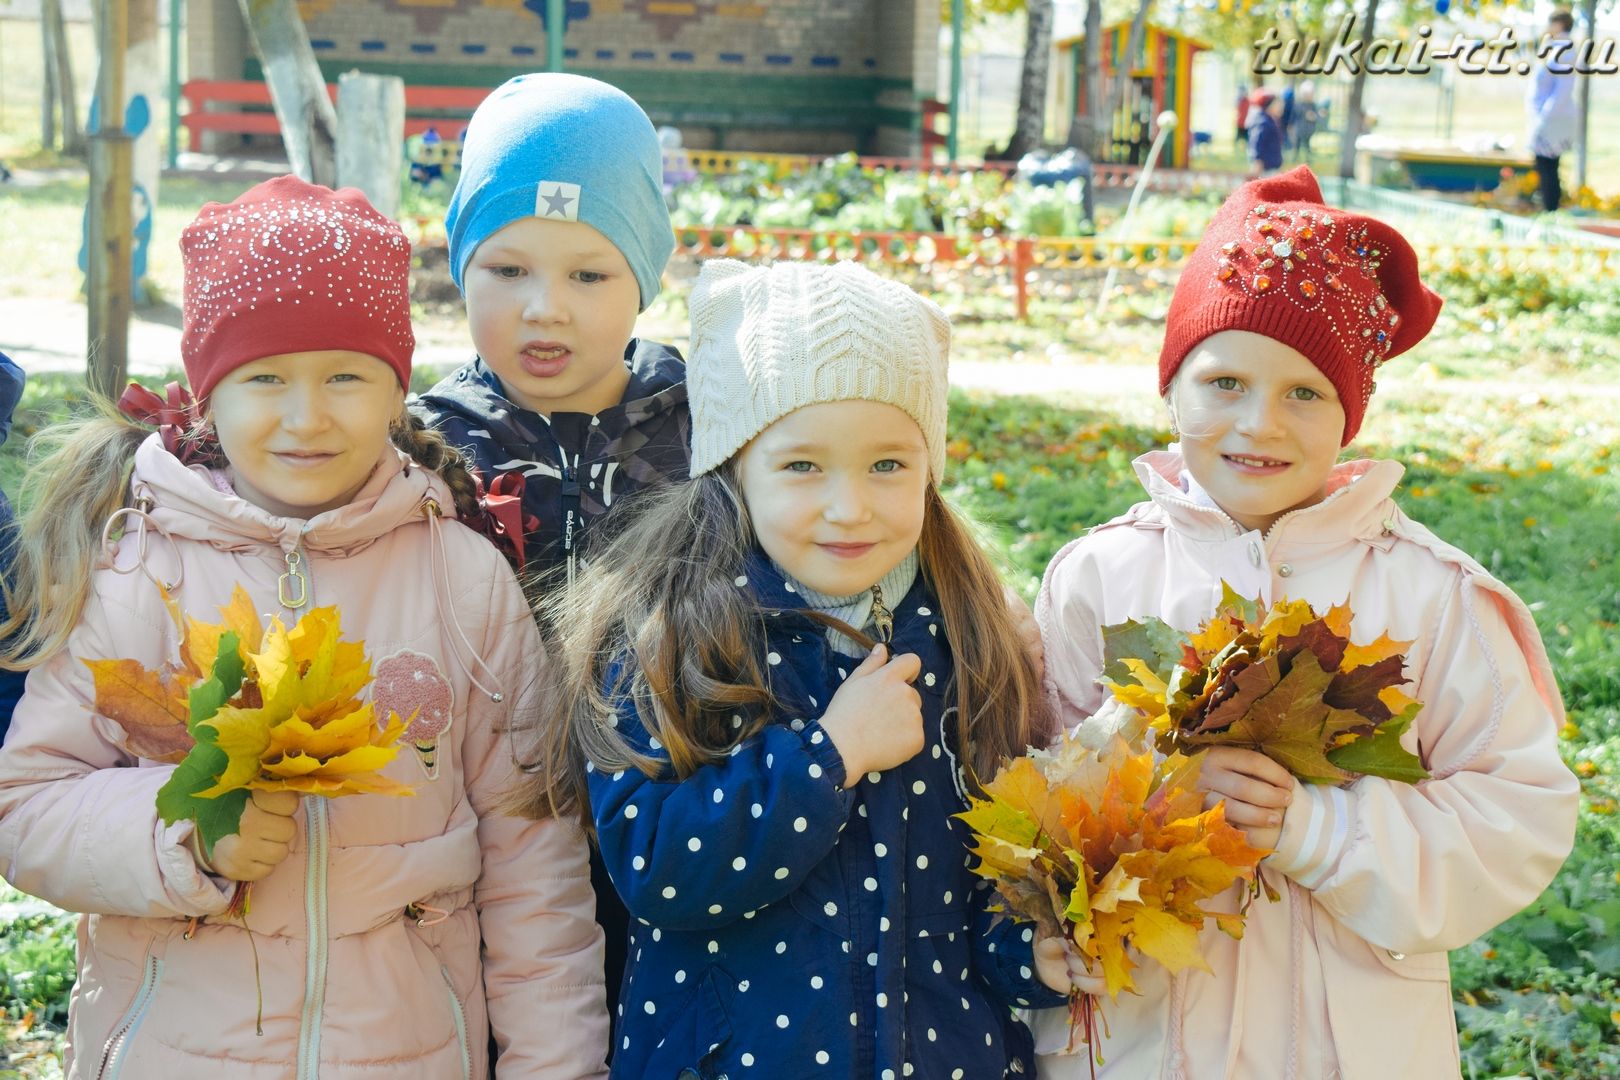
x: 785, y: 675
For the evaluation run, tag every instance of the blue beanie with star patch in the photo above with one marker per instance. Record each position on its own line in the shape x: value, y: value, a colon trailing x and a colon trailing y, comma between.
x: 563, y: 148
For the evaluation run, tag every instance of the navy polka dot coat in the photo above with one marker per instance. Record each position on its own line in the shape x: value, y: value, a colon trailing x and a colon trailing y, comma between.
x: 789, y: 921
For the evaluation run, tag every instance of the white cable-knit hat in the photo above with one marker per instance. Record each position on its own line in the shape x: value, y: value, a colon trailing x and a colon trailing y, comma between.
x: 769, y: 340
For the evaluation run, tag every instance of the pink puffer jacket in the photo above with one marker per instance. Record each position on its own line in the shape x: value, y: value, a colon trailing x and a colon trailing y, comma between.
x: 1345, y: 977
x: 499, y: 934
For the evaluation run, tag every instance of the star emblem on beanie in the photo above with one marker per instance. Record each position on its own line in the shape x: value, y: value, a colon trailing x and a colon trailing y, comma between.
x: 557, y: 201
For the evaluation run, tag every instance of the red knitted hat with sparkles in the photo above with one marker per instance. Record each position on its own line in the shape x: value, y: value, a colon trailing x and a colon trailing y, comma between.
x: 1339, y: 287
x: 293, y: 267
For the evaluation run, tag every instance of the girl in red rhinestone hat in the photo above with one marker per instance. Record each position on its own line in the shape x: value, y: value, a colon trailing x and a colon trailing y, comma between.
x: 1280, y: 322
x: 387, y: 937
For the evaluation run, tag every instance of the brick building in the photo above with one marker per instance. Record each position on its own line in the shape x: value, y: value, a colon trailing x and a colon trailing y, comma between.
x: 769, y: 75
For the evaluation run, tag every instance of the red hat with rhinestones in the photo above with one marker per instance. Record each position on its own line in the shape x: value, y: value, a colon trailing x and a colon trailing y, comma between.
x: 1339, y: 287
x: 293, y: 267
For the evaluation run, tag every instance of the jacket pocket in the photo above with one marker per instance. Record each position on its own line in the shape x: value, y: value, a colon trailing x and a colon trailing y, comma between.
x: 116, y: 1047
x: 696, y: 1038
x: 1432, y: 966
x: 936, y: 923
x: 458, y: 1013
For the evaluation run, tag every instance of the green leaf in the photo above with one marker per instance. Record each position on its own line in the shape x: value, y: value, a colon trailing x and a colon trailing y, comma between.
x: 1381, y: 753
x: 1234, y: 603
x: 200, y: 770
x: 1152, y: 641
x: 222, y: 684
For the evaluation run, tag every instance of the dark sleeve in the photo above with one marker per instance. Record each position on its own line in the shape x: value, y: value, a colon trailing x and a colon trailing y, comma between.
x: 1004, y: 956
x: 747, y: 830
x: 11, y: 682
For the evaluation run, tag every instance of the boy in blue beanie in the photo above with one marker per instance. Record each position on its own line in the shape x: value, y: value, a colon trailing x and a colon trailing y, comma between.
x: 558, y: 238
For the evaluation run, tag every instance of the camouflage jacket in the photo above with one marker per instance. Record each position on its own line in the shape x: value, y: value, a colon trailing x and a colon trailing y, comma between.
x: 575, y: 466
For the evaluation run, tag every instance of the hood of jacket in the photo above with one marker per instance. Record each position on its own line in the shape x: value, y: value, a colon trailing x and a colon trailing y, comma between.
x: 1356, y: 503
x: 184, y: 502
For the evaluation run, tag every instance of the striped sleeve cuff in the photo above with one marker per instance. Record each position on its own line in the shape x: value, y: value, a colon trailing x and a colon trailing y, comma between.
x: 1315, y: 831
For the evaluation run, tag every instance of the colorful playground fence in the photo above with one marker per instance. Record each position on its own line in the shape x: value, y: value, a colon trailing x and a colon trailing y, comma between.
x: 1025, y: 257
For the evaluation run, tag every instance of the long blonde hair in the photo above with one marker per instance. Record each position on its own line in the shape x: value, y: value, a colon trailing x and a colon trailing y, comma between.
x: 659, y: 607
x: 78, y: 476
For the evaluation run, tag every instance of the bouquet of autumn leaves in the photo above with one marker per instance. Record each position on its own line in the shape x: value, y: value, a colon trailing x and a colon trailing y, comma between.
x: 1109, y: 849
x: 251, y: 707
x: 1285, y: 681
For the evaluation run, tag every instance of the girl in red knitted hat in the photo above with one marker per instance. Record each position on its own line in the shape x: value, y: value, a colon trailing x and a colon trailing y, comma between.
x: 1278, y: 326
x: 386, y: 937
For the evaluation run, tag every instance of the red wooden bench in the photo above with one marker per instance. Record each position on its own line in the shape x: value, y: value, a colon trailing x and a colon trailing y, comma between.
x: 425, y: 107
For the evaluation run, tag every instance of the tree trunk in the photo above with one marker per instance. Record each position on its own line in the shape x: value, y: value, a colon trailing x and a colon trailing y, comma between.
x: 371, y: 137
x: 108, y: 225
x: 1086, y: 126
x: 47, y: 97
x: 61, y: 66
x: 1352, y: 119
x: 297, y: 89
x: 1583, y: 100
x: 1030, y: 130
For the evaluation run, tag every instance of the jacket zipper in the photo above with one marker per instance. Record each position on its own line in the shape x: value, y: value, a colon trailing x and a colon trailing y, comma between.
x: 460, y: 1015
x: 292, y: 587
x: 112, y: 1054
x: 572, y: 520
x: 882, y: 617
x: 309, y: 1022
x: 315, y: 905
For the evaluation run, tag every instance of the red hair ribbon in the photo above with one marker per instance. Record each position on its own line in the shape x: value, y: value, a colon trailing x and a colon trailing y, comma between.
x: 178, y: 418
x: 503, y: 519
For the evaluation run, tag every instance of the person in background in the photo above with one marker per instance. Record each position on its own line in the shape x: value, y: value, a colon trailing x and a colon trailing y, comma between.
x: 1551, y: 105
x: 1265, y: 133
x: 12, y: 379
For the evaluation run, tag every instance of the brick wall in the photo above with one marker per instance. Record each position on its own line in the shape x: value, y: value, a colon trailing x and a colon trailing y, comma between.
x: 754, y: 74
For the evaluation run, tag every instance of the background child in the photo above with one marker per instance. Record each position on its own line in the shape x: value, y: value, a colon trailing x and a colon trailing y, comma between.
x: 389, y: 932
x: 1278, y: 325
x: 773, y: 795
x: 558, y: 236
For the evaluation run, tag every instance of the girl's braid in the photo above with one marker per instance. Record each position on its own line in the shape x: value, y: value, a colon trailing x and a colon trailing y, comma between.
x: 429, y: 449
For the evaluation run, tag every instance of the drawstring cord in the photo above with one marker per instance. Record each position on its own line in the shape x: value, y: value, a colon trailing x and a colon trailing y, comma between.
x: 415, y: 911
x: 141, y: 512
x: 1178, y: 1037
x: 439, y: 574
x: 1296, y: 950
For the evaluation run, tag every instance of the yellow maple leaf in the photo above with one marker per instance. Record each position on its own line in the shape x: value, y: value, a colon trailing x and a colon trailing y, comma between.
x: 1023, y: 788
x: 1215, y: 636
x: 1285, y: 619
x: 199, y: 647
x: 1166, y: 938
x: 1116, y: 888
x: 309, y: 733
x: 1363, y: 655
x: 1338, y: 620
x: 1396, y: 700
x: 1107, y: 947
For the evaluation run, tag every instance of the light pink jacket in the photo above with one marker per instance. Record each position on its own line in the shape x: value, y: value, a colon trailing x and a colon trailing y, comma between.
x: 1347, y: 976
x: 352, y: 987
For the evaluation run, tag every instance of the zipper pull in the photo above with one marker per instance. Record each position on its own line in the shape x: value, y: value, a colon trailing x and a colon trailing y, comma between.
x: 882, y: 616
x: 294, y: 577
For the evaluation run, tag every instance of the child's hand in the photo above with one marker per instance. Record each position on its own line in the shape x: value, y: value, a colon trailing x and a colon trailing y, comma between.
x: 261, y: 842
x: 1029, y: 631
x: 1257, y: 791
x: 1063, y: 970
x: 875, y: 718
